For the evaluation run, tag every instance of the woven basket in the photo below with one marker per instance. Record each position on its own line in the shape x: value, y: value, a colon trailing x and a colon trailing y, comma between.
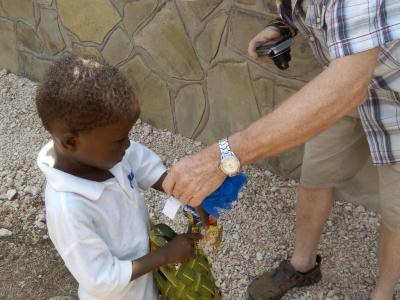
x: 191, y: 280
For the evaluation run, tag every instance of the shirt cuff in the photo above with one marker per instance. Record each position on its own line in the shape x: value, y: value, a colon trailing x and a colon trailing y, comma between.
x: 126, y: 272
x: 155, y: 174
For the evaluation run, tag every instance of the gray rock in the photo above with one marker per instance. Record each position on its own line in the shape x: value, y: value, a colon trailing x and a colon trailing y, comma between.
x: 5, y: 232
x: 32, y: 190
x: 3, y: 72
x: 259, y: 256
x: 11, y: 194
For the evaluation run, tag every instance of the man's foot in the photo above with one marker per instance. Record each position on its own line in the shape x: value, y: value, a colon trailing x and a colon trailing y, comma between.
x: 274, y: 284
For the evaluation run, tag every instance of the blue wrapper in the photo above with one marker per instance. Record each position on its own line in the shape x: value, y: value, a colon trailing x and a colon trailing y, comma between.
x: 224, y: 196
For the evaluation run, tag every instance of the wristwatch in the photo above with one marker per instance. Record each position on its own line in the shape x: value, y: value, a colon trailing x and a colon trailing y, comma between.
x: 229, y: 163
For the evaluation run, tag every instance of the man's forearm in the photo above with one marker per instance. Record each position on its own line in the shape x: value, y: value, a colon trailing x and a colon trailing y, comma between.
x: 332, y: 94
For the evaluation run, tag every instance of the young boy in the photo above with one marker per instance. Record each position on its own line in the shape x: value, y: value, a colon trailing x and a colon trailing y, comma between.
x: 96, y: 215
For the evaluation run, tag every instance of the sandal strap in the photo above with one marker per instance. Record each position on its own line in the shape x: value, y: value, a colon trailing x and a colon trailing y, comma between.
x: 285, y: 271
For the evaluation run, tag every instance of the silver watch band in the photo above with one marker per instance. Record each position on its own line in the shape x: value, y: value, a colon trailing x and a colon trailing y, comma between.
x: 224, y: 148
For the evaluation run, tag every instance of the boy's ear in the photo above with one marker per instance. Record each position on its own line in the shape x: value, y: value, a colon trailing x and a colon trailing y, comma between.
x: 69, y: 141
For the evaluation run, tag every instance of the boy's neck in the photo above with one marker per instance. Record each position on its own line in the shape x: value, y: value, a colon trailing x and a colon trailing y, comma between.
x: 73, y: 167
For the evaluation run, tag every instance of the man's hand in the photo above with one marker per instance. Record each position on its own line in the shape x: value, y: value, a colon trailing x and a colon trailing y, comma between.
x: 268, y: 35
x: 194, y: 177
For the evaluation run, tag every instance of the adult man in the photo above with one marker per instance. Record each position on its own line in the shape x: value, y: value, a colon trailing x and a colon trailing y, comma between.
x: 358, y: 43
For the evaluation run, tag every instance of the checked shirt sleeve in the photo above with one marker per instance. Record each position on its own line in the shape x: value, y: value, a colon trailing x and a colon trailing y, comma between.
x: 358, y: 25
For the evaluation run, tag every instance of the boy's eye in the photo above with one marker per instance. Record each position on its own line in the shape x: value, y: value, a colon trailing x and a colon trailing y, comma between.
x: 121, y: 140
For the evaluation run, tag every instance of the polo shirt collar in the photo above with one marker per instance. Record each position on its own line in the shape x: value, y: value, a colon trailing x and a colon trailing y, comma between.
x: 64, y: 182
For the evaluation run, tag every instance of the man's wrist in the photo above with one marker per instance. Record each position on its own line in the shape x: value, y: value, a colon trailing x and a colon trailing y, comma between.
x: 229, y: 162
x: 282, y: 28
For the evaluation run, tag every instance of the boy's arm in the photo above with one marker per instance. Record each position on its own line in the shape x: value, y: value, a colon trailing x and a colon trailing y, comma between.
x: 181, y: 248
x: 158, y: 184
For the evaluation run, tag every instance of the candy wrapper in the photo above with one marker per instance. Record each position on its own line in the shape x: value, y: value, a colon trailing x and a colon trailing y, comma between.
x: 224, y: 196
x: 213, y: 204
x: 212, y: 236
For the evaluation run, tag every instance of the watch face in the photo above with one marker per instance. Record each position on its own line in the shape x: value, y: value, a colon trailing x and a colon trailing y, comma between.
x: 230, y: 165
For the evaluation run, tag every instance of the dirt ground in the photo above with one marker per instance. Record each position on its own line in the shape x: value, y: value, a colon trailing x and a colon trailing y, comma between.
x: 33, y: 270
x: 258, y: 231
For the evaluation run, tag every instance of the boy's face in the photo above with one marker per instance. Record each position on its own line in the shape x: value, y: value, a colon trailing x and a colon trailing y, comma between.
x: 103, y: 147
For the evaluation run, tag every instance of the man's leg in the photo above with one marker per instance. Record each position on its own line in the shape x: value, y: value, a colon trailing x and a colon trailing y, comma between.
x: 389, y: 233
x: 330, y: 159
x: 389, y: 264
x: 313, y: 208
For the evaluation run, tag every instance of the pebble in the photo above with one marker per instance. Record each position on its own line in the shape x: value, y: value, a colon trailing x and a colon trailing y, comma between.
x: 359, y: 209
x: 5, y: 232
x: 348, y: 208
x: 39, y: 224
x: 11, y: 194
x: 40, y: 221
x: 320, y: 295
x: 259, y: 256
x: 3, y: 72
x: 274, y: 189
x: 32, y: 190
x: 268, y: 173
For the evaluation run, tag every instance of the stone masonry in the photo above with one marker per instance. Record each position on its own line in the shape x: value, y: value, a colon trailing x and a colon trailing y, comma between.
x: 185, y: 58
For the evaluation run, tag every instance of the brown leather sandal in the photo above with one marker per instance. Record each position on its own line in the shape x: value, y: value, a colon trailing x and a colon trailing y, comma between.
x: 274, y: 284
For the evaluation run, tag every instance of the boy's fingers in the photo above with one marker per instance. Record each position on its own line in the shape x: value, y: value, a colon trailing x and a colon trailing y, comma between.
x: 203, y: 216
x: 194, y: 236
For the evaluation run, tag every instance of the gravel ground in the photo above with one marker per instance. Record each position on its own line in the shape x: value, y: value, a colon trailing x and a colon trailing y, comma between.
x: 258, y: 232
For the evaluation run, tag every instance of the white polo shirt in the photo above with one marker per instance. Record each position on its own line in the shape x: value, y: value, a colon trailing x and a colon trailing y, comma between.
x: 98, y: 228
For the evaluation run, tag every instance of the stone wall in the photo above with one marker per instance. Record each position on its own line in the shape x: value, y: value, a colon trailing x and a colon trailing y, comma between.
x: 186, y: 58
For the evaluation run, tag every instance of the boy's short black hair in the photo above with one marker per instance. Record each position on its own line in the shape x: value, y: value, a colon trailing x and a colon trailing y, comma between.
x: 85, y: 92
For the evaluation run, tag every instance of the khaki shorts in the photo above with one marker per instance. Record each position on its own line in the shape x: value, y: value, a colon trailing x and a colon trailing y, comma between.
x: 339, y: 157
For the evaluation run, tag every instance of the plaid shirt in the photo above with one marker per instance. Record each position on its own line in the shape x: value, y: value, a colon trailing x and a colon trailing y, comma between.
x: 337, y: 28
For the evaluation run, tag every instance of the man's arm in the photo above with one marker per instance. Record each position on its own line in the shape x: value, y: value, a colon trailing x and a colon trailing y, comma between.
x: 336, y: 91
x: 318, y: 105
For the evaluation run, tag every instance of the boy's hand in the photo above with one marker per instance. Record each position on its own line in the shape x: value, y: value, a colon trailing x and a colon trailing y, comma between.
x: 181, y: 248
x: 204, y: 216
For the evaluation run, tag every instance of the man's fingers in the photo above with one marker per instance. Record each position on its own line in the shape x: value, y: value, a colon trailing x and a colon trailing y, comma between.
x: 264, y: 59
x: 197, y: 199
x: 251, y: 50
x: 169, y: 183
x: 185, y: 198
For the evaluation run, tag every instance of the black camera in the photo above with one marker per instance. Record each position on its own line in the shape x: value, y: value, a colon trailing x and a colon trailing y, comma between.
x: 279, y: 52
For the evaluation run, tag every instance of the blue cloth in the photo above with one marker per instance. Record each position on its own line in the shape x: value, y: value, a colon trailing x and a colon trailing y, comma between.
x: 225, y: 195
